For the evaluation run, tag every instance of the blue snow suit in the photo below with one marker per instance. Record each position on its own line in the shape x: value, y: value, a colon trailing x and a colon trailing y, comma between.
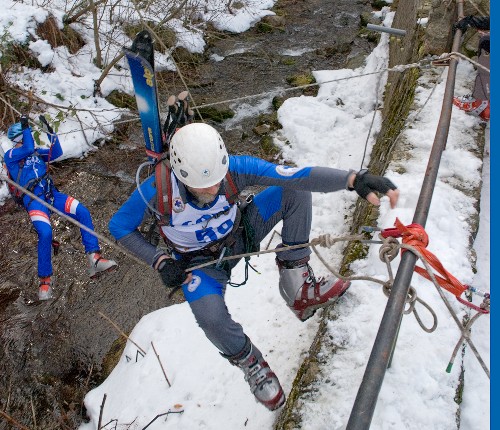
x: 288, y: 198
x: 28, y: 164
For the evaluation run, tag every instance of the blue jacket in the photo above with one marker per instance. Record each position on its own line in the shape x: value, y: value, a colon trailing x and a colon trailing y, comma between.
x: 30, y: 160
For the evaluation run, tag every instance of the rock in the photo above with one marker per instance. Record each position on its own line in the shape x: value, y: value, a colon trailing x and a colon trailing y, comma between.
x: 262, y: 129
x: 274, y: 20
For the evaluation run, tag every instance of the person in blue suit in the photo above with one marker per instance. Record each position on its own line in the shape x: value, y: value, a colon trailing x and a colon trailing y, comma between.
x: 204, y: 223
x: 27, y: 166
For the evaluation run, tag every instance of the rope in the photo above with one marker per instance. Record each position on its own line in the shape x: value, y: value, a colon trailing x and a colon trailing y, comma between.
x: 481, y: 311
x: 464, y: 57
x: 397, y: 68
x: 371, y: 123
x: 465, y: 334
x: 388, y: 251
x: 324, y: 240
x: 450, y: 309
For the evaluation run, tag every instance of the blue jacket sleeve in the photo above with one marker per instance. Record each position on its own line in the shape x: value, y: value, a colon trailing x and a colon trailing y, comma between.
x: 55, y: 150
x: 247, y: 171
x: 17, y: 154
x: 130, y: 215
x: 124, y: 223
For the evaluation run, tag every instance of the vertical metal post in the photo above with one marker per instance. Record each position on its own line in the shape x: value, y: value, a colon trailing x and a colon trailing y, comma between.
x: 366, y: 399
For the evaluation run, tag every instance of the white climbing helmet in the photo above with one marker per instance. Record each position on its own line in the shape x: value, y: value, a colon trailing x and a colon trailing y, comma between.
x: 198, y: 155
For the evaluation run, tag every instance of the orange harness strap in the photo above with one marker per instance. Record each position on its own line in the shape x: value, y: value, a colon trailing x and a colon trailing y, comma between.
x: 415, y: 235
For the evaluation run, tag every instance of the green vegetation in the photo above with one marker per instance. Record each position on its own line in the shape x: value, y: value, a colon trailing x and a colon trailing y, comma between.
x: 214, y: 114
x: 302, y: 79
x: 122, y: 100
x: 112, y: 358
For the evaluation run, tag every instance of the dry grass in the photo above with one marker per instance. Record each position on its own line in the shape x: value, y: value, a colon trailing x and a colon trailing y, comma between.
x: 57, y: 37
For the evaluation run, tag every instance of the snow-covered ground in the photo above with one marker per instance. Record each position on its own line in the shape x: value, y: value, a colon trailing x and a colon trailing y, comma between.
x: 417, y: 392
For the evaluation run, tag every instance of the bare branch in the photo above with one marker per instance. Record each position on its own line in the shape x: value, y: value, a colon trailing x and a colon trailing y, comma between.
x: 72, y: 19
x: 161, y: 365
x: 101, y: 411
x: 121, y: 331
x: 13, y: 421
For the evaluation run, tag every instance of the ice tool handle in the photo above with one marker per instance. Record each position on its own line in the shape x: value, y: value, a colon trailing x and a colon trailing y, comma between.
x: 179, y: 114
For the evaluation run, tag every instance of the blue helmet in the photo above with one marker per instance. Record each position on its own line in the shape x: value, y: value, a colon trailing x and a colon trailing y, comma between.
x: 15, y: 130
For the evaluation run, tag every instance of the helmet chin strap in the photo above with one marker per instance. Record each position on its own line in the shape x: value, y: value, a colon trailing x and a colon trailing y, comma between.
x: 203, y: 197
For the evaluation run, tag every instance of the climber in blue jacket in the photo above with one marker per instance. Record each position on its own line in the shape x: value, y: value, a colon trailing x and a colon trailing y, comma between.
x: 27, y: 166
x: 201, y: 221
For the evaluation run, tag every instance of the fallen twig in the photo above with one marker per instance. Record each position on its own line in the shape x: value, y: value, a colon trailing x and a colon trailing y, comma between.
x: 121, y: 331
x: 101, y: 411
x: 161, y: 365
x: 13, y: 421
x: 161, y: 415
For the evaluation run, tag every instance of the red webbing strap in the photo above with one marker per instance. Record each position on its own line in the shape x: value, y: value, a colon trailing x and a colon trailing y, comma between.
x: 163, y: 190
x: 233, y: 197
x: 415, y: 235
x: 153, y: 154
x: 168, y: 180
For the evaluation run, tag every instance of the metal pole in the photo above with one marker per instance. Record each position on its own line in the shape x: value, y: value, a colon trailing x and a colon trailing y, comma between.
x: 366, y: 399
x: 395, y: 31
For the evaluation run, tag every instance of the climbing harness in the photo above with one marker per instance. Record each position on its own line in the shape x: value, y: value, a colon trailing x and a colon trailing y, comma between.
x: 222, y: 247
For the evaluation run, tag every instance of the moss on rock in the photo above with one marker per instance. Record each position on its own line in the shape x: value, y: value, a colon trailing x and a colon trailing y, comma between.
x: 214, y: 114
x: 112, y: 357
x: 122, y: 100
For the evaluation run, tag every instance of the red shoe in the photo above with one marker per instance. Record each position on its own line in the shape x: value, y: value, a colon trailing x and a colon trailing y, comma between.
x: 305, y: 294
x: 45, y: 289
x: 476, y: 107
x: 99, y: 264
x: 263, y: 382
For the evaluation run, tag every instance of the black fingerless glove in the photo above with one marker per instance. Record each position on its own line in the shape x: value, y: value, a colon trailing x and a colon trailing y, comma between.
x: 479, y: 22
x: 365, y: 183
x: 173, y: 272
x: 24, y: 122
x: 45, y: 125
x: 463, y: 24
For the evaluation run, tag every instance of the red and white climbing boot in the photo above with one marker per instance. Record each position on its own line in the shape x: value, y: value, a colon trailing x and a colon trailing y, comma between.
x: 476, y: 107
x: 302, y: 292
x: 45, y: 289
x: 99, y: 264
x: 263, y: 382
